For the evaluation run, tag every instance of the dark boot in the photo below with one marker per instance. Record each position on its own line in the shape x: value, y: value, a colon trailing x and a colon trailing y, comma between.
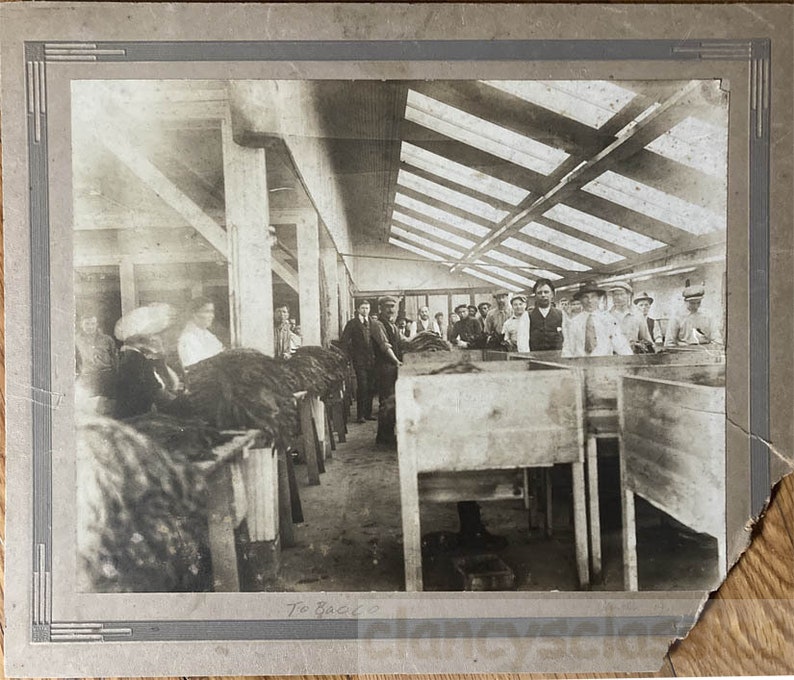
x: 473, y: 533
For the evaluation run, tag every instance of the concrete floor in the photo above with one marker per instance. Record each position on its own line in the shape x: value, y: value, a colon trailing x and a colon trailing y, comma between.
x: 351, y: 539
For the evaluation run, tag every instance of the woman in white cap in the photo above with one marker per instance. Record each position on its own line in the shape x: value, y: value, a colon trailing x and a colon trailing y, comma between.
x: 516, y: 328
x: 692, y: 327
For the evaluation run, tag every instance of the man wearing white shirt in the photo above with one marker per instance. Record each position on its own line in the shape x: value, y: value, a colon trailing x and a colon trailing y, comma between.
x: 517, y: 328
x: 634, y: 328
x: 196, y: 341
x: 593, y: 333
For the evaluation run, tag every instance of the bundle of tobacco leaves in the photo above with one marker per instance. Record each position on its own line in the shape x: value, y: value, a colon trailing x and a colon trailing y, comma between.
x: 241, y: 389
x: 141, y: 514
x: 457, y: 367
x: 316, y: 369
x: 188, y: 439
x: 426, y: 341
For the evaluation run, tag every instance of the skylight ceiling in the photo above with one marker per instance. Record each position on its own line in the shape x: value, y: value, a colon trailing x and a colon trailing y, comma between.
x: 696, y: 144
x: 570, y: 243
x: 482, y: 134
x: 444, y: 235
x: 590, y: 102
x: 511, y: 261
x: 654, y: 203
x: 415, y: 250
x: 450, y: 196
x: 440, y: 215
x: 461, y: 174
x: 544, y: 255
x: 506, y: 274
x: 491, y: 279
x: 425, y: 242
x: 606, y: 231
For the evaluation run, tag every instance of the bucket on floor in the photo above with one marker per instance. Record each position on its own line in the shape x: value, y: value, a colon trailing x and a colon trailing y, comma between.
x: 484, y: 572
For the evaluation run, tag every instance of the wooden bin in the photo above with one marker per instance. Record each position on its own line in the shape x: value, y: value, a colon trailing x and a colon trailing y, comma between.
x: 483, y: 421
x: 450, y: 357
x: 672, y: 453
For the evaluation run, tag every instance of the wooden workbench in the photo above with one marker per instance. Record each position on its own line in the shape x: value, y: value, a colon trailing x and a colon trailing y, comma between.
x: 441, y: 429
x: 672, y: 454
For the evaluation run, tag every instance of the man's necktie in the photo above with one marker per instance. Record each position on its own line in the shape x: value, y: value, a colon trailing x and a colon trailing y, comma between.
x: 590, y: 338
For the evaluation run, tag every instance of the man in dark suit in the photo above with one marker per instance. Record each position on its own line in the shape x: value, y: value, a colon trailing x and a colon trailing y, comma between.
x: 357, y: 341
x: 545, y: 321
x: 387, y: 346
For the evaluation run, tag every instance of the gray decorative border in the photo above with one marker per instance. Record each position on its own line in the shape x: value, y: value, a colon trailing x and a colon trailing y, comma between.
x: 38, y: 54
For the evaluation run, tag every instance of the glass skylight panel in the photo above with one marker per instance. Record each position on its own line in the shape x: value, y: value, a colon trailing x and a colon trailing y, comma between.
x: 654, y: 203
x: 433, y: 231
x: 607, y: 231
x: 482, y: 134
x: 450, y: 196
x: 696, y: 144
x: 425, y: 242
x: 506, y: 274
x: 571, y: 243
x: 440, y: 215
x: 544, y: 255
x: 461, y: 174
x: 491, y: 279
x: 592, y: 102
x: 514, y: 262
x: 415, y: 250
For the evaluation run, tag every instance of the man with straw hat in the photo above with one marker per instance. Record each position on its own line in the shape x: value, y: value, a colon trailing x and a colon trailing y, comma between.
x: 593, y: 332
x: 692, y: 327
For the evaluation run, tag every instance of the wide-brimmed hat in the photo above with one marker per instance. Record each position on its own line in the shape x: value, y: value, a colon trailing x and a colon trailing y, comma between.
x: 620, y: 285
x: 588, y: 287
x: 643, y: 296
x: 695, y: 292
x: 147, y: 320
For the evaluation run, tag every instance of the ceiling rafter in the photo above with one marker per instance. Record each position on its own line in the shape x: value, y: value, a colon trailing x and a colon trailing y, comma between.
x: 675, y: 108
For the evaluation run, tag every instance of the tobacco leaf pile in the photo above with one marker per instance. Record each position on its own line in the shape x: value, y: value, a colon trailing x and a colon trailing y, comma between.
x: 189, y: 439
x: 426, y: 341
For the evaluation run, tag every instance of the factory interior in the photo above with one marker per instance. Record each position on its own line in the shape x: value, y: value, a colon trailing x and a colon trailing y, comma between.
x: 251, y: 197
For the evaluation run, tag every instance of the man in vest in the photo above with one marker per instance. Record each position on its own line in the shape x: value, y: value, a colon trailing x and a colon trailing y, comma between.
x: 644, y: 302
x: 545, y: 321
x: 423, y: 324
x: 388, y: 353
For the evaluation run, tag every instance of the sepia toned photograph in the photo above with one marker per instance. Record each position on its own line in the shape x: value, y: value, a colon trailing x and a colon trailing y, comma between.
x: 383, y: 336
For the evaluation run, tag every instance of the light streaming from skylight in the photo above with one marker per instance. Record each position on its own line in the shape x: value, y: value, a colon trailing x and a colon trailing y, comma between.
x: 514, y: 262
x: 440, y: 215
x: 607, y: 231
x: 571, y: 243
x: 432, y: 230
x: 696, y: 144
x: 461, y: 174
x: 415, y: 250
x: 654, y: 203
x: 592, y: 102
x: 506, y: 274
x: 425, y: 242
x: 482, y: 134
x: 450, y: 196
x: 491, y: 279
x: 544, y: 255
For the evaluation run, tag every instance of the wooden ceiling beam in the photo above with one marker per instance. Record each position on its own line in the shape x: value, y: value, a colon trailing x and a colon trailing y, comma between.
x: 446, y: 207
x: 436, y: 223
x: 673, y: 110
x: 593, y: 240
x: 552, y: 248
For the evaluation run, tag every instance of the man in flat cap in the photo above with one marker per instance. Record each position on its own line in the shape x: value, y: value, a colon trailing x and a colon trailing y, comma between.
x: 634, y: 328
x: 517, y: 328
x: 496, y: 317
x: 546, y: 321
x: 693, y: 327
x: 593, y: 332
x: 643, y: 302
x: 387, y: 347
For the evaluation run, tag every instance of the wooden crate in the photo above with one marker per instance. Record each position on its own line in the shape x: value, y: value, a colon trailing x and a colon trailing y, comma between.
x: 505, y: 417
x: 454, y: 355
x: 672, y: 451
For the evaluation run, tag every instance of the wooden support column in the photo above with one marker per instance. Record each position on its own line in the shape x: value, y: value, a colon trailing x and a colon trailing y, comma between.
x: 129, y: 292
x: 343, y: 290
x: 250, y: 260
x: 309, y: 278
x: 328, y: 259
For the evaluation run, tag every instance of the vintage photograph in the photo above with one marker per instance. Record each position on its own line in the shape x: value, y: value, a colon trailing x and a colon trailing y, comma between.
x: 383, y: 336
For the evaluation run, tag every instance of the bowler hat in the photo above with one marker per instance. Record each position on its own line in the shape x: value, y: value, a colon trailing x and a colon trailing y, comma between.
x: 588, y: 287
x: 643, y: 296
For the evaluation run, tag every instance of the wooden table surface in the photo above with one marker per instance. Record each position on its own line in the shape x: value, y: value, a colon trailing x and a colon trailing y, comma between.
x: 747, y: 629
